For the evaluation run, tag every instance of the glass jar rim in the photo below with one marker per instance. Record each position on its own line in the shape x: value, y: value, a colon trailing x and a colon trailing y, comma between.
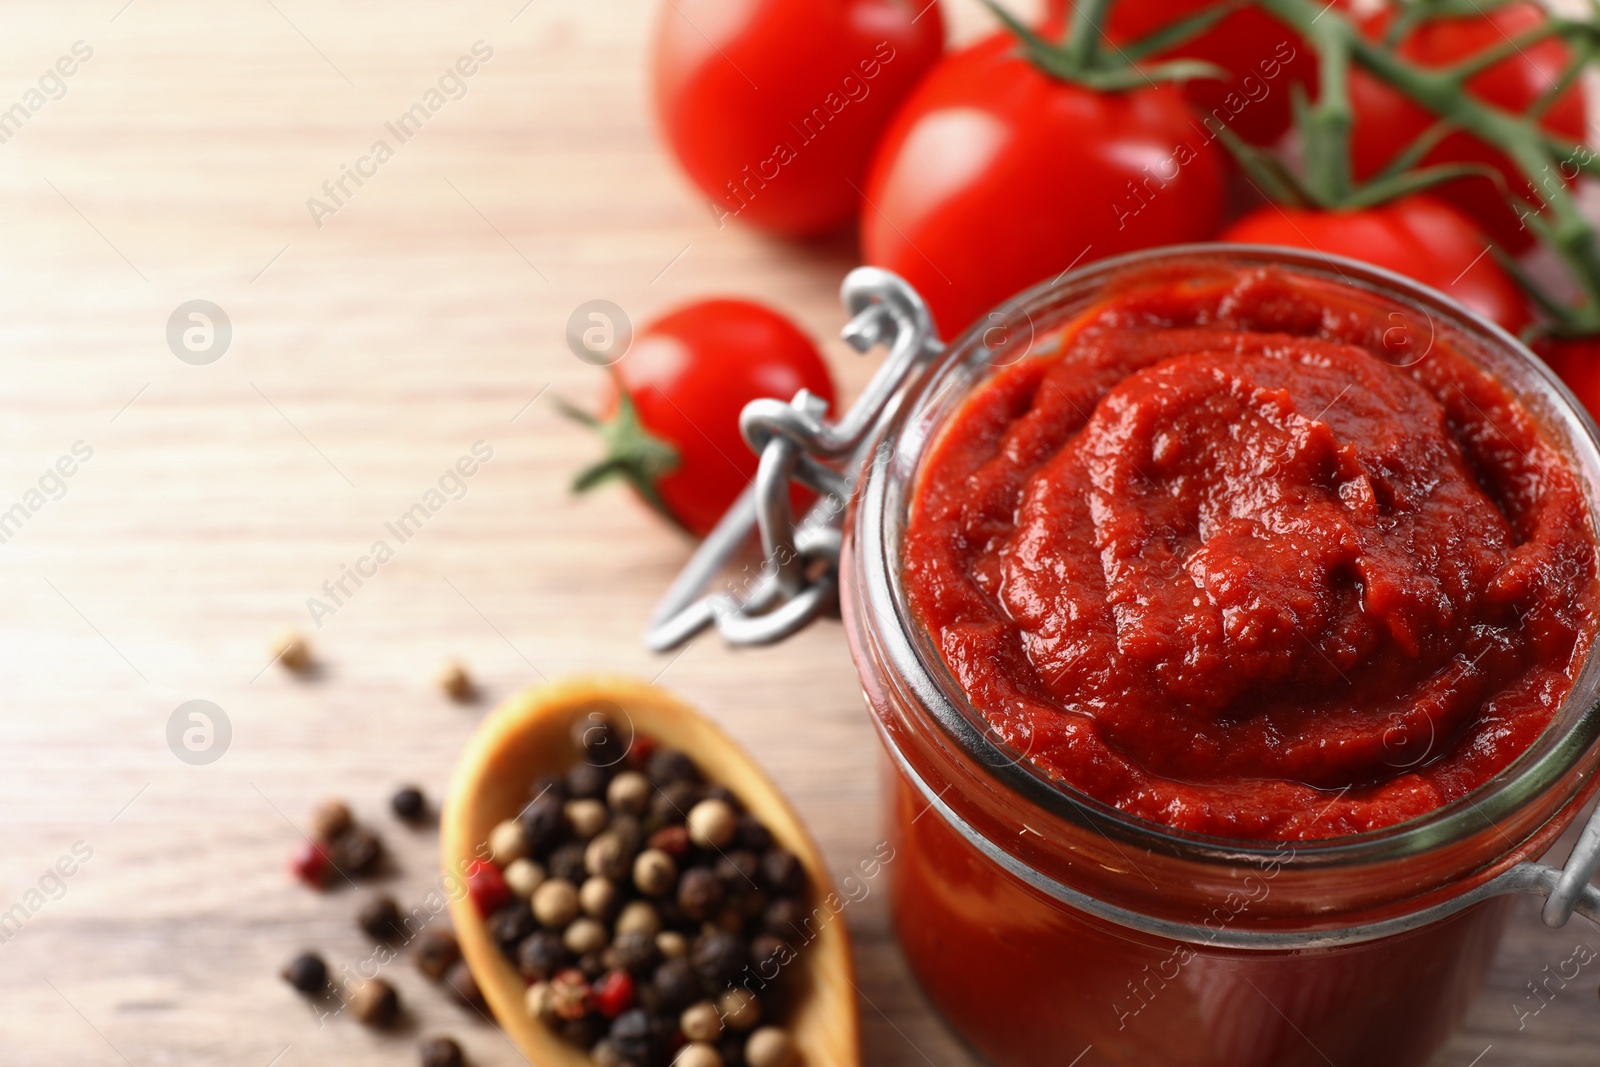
x: 884, y: 496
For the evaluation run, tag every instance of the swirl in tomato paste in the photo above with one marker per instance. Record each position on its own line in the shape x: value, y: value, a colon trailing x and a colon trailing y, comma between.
x: 1226, y: 563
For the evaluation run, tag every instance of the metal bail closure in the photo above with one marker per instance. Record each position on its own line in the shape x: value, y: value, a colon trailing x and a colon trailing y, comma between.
x: 797, y: 576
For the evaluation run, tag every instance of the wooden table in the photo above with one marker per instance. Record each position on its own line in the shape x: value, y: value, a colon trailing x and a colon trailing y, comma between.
x: 367, y: 354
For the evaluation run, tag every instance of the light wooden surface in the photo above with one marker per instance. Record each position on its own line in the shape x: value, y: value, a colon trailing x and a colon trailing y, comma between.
x: 367, y: 356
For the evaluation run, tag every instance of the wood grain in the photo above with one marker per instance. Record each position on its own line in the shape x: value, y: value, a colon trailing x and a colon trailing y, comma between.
x: 367, y: 356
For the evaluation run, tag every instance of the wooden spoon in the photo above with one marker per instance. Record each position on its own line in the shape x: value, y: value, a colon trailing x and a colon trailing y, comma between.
x: 530, y: 735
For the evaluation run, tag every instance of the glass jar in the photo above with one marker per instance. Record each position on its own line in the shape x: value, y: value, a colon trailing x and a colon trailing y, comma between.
x: 1045, y: 924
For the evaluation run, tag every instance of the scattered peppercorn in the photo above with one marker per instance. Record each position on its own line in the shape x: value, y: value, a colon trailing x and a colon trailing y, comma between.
x: 453, y: 678
x: 718, y: 957
x: 608, y: 856
x: 441, y: 1052
x: 379, y: 916
x: 598, y: 897
x: 436, y: 952
x: 357, y: 851
x: 375, y: 1002
x: 463, y: 985
x: 781, y: 872
x: 311, y: 863
x: 585, y: 936
x: 566, y: 862
x: 701, y: 1022
x: 613, y: 993
x: 569, y: 995
x: 307, y: 973
x: 698, y: 1055
x: 753, y: 836
x: 712, y: 824
x: 668, y: 766
x: 639, y: 917
x: 542, y: 820
x: 408, y: 805
x: 292, y: 652
x: 331, y: 819
x: 673, y: 840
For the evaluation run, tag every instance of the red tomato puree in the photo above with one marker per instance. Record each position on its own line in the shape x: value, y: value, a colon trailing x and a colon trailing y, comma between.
x: 1223, y: 560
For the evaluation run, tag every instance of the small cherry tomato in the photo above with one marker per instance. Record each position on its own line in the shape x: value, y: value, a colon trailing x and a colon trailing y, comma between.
x: 1576, y: 360
x: 487, y: 887
x: 1387, y: 122
x: 772, y: 107
x: 672, y: 425
x: 1422, y: 238
x: 996, y: 175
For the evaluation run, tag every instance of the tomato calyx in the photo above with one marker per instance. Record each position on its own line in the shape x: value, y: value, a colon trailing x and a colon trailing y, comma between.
x: 1080, y: 60
x: 632, y: 453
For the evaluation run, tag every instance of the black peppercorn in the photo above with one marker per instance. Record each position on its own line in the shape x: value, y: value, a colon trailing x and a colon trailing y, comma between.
x: 668, y: 765
x: 567, y: 863
x: 719, y: 957
x: 781, y: 872
x: 375, y: 1002
x: 463, y: 985
x: 586, y: 781
x: 769, y: 954
x: 628, y: 830
x: 700, y: 893
x: 636, y: 952
x: 380, y: 917
x: 724, y: 794
x: 738, y: 871
x: 542, y: 821
x: 307, y: 973
x: 593, y: 965
x: 638, y: 1037
x: 408, y: 804
x: 676, y: 986
x: 511, y: 923
x: 670, y: 805
x: 752, y: 835
x: 436, y: 952
x: 783, y: 917
x: 549, y: 785
x: 581, y: 1032
x: 441, y: 1052
x: 357, y: 851
x: 541, y: 955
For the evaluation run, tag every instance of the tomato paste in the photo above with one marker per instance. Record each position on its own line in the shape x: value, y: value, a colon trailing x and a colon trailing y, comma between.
x: 1256, y: 556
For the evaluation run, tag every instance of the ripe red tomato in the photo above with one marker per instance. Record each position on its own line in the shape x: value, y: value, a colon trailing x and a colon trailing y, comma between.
x: 1577, y: 361
x: 1387, y: 122
x: 1425, y: 239
x: 773, y: 106
x: 1262, y: 56
x: 995, y: 176
x: 673, y: 432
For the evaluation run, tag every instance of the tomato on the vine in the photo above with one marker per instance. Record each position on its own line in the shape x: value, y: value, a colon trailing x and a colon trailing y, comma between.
x: 672, y: 411
x: 1263, y: 59
x: 996, y: 175
x: 772, y: 107
x: 1387, y: 122
x: 1422, y: 238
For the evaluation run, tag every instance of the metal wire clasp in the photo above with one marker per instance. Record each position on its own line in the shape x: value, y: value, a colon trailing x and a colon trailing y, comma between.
x: 797, y: 577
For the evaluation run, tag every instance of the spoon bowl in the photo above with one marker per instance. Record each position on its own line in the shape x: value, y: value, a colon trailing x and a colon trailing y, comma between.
x: 530, y: 735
